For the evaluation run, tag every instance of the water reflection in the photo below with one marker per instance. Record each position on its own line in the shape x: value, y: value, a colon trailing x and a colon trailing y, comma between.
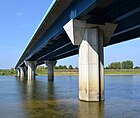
x: 42, y: 99
x: 91, y: 109
x: 54, y: 99
x: 39, y: 98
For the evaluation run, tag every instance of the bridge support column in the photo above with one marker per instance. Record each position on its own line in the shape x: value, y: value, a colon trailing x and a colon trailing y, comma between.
x: 22, y: 72
x: 90, y: 39
x: 31, y: 67
x: 50, y: 65
x: 91, y: 82
x: 18, y: 72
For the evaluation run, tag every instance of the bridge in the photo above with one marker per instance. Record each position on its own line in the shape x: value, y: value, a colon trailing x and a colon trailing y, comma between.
x: 82, y: 27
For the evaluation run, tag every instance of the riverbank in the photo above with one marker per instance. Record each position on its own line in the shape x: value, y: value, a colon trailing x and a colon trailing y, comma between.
x: 8, y: 72
x: 106, y: 71
x: 122, y: 71
x: 63, y: 72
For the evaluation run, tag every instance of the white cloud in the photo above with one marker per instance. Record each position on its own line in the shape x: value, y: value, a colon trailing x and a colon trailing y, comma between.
x: 26, y: 25
x: 19, y: 14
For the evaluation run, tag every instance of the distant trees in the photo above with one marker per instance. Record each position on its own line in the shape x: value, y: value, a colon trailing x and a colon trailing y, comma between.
x: 41, y: 68
x: 121, y: 65
x: 137, y: 67
x: 63, y: 67
x: 8, y: 72
x: 115, y: 65
x: 127, y: 64
x: 60, y: 67
x: 70, y: 67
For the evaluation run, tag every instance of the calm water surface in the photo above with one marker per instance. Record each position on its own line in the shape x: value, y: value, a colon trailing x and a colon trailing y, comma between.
x: 43, y: 99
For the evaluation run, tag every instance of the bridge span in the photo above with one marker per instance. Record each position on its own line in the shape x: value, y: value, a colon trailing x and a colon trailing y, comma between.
x: 81, y: 27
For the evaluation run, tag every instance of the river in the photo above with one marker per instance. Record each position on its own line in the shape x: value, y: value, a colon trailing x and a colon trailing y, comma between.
x: 43, y: 99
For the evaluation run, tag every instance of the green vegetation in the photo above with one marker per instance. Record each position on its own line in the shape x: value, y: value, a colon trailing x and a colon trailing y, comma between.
x: 58, y: 70
x: 8, y: 72
x: 123, y: 68
x: 121, y: 65
x: 122, y: 71
x: 64, y: 70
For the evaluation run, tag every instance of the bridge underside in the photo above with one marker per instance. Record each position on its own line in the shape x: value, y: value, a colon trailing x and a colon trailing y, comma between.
x: 52, y: 42
x: 126, y: 14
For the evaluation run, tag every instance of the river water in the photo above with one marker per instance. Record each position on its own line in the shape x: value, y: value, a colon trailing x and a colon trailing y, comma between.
x: 43, y: 99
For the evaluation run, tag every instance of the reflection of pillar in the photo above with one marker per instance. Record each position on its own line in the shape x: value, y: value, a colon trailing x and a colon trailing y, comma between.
x: 31, y: 67
x: 91, y: 109
x: 30, y: 89
x: 90, y: 39
x: 51, y: 93
x: 50, y: 65
x: 22, y: 72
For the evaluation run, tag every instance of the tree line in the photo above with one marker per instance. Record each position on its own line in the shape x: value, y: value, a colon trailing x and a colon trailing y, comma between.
x: 58, y: 67
x: 122, y: 65
x: 43, y: 69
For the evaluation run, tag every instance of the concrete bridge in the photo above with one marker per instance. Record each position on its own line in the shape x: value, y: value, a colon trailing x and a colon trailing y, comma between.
x: 81, y: 27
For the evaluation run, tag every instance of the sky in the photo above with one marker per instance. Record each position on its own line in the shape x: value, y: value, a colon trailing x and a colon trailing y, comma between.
x: 19, y: 20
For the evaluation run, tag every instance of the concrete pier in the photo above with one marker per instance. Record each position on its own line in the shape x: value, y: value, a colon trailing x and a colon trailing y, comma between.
x: 22, y: 72
x: 50, y: 65
x: 31, y: 67
x: 89, y: 66
x: 18, y: 72
x: 90, y: 38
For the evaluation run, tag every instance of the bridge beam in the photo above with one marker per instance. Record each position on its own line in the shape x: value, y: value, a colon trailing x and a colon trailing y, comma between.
x: 90, y: 38
x: 31, y: 67
x: 50, y: 65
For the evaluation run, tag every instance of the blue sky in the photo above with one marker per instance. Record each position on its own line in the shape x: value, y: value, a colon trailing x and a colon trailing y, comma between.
x: 19, y: 20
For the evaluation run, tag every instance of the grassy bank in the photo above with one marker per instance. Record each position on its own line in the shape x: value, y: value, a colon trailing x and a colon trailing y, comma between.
x: 107, y: 72
x: 59, y: 72
x: 122, y: 71
x: 11, y: 72
x: 8, y: 72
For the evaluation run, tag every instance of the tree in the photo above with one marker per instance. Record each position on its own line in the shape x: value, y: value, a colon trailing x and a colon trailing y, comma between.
x: 60, y: 67
x: 137, y: 67
x: 115, y: 65
x: 64, y: 67
x: 40, y: 68
x: 70, y: 67
x: 127, y: 64
x: 55, y: 67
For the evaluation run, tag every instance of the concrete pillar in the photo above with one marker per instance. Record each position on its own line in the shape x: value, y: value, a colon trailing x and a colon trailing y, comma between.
x: 22, y: 72
x: 31, y: 67
x: 89, y: 66
x: 90, y: 38
x: 101, y: 63
x: 50, y: 65
x: 18, y: 72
